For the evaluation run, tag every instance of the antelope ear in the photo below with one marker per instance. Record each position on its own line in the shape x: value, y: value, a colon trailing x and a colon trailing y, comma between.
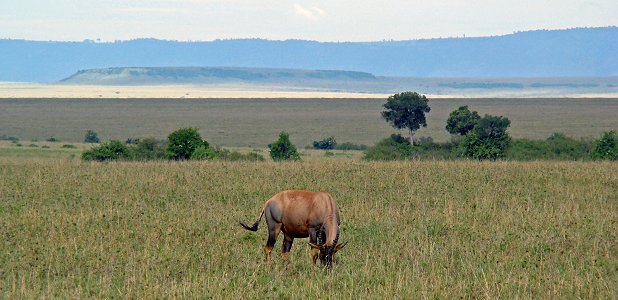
x: 314, y: 246
x: 340, y: 246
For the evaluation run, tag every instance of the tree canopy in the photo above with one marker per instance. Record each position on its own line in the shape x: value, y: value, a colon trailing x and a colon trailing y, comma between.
x: 488, y: 139
x: 182, y: 143
x: 406, y: 111
x: 462, y: 120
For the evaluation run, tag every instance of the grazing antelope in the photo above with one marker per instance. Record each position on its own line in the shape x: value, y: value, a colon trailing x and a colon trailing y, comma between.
x: 301, y: 214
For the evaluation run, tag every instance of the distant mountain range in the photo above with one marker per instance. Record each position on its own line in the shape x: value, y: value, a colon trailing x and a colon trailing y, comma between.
x: 581, y: 52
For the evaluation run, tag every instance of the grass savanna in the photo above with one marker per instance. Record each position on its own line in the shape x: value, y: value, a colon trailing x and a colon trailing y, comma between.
x: 416, y: 229
x: 256, y: 122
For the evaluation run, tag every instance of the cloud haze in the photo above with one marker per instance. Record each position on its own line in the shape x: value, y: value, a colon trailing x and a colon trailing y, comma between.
x: 342, y: 20
x: 311, y: 13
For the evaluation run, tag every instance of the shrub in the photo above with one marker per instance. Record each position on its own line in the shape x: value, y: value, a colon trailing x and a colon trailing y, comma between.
x: 394, y: 147
x: 525, y: 149
x: 147, y: 149
x: 425, y: 147
x: 283, y: 149
x: 13, y: 139
x: 202, y: 153
x: 556, y: 147
x: 488, y: 139
x: 111, y: 150
x: 53, y: 139
x: 91, y: 137
x: 564, y: 147
x: 182, y: 142
x: 68, y: 146
x: 325, y: 144
x: 606, y: 147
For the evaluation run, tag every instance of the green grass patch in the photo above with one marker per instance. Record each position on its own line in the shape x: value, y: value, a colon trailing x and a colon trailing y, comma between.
x: 417, y: 229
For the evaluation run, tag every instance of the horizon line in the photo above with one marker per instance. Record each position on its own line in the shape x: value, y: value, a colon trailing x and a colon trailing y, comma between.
x: 99, y: 41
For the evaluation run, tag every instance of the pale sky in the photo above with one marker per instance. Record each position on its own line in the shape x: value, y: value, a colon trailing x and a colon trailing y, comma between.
x: 321, y: 20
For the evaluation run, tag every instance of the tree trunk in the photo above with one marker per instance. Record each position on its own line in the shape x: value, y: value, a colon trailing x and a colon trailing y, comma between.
x: 411, y: 137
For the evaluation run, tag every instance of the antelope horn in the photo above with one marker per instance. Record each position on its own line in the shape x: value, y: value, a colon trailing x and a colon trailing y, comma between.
x: 336, y: 238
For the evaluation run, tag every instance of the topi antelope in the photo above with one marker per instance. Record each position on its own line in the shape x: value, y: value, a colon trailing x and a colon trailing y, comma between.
x: 301, y: 214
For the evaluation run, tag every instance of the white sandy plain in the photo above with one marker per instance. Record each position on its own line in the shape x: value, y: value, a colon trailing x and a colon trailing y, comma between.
x: 40, y: 90
x: 23, y: 90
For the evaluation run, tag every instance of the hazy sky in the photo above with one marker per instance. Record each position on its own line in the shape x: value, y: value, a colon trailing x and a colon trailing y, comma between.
x: 322, y: 20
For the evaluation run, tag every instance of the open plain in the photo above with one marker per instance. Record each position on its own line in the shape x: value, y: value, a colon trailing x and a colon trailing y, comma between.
x: 257, y: 122
x: 418, y: 229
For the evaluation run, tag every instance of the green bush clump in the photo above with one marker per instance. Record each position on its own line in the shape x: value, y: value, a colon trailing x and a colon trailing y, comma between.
x: 91, y: 137
x: 395, y: 147
x: 556, y: 147
x: 182, y: 143
x: 12, y: 139
x: 68, y: 146
x: 283, y: 149
x: 53, y: 139
x: 564, y: 147
x: 526, y: 149
x: 203, y: 153
x: 425, y: 147
x: 325, y: 144
x: 488, y: 139
x: 112, y: 150
x: 146, y: 149
x: 606, y: 147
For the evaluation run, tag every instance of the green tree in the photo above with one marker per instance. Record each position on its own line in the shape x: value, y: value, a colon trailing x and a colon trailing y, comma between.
x: 91, y: 137
x: 488, y: 139
x: 462, y: 120
x: 283, y: 149
x: 182, y: 143
x: 606, y: 147
x: 406, y: 111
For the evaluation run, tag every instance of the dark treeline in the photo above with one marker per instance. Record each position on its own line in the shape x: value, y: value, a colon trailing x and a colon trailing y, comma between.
x: 556, y: 147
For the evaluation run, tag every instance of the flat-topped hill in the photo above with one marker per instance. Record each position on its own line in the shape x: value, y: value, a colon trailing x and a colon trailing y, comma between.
x: 210, y: 75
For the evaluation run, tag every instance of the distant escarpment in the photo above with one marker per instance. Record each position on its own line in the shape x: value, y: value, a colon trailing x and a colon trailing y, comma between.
x: 211, y: 75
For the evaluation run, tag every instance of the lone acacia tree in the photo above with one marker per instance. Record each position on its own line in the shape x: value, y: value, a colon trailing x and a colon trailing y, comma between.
x: 406, y: 110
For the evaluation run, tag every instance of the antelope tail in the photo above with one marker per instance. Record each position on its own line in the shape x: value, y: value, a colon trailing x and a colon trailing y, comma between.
x: 255, y: 225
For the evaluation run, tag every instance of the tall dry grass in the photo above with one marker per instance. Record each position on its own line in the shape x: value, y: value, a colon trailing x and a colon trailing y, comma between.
x: 416, y: 230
